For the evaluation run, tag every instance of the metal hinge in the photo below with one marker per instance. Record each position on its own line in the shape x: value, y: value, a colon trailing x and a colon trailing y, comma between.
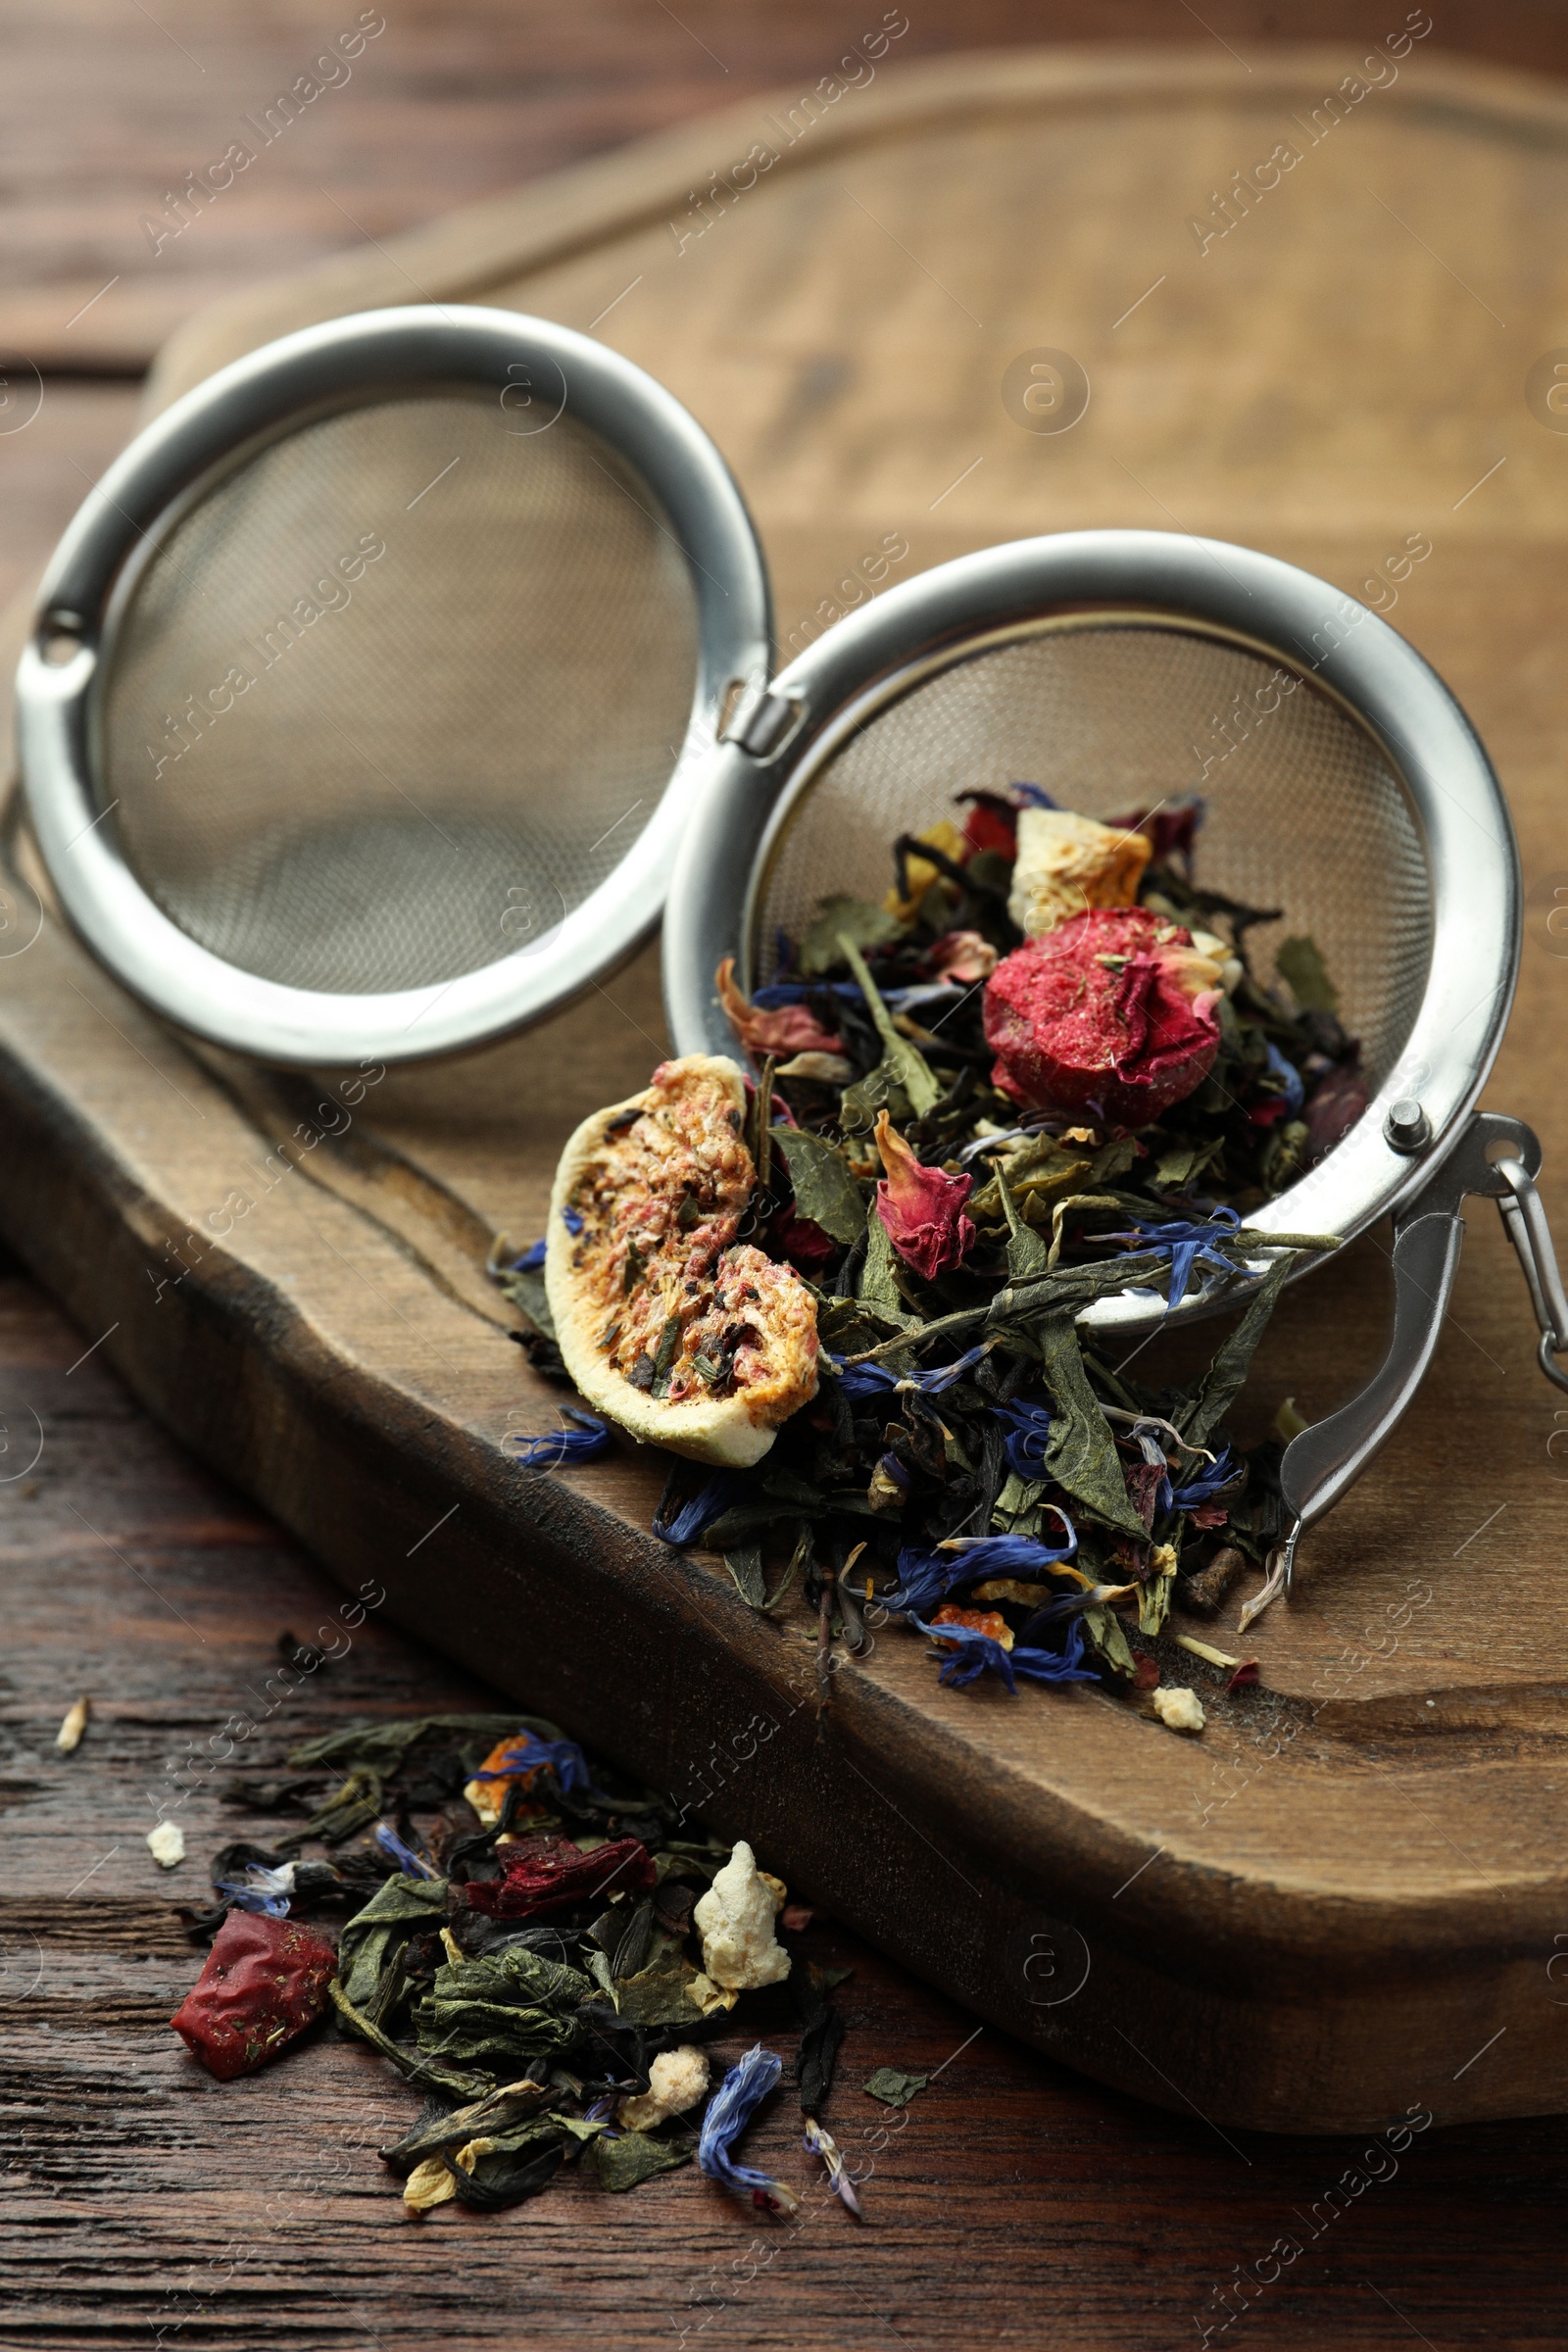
x: 762, y: 722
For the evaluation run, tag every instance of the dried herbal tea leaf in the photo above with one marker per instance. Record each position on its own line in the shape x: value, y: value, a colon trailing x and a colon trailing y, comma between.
x: 635, y: 2156
x: 745, y: 1564
x: 893, y: 2087
x: 1226, y: 1375
x: 1081, y: 1452
x: 398, y: 1909
x: 658, y: 1997
x: 902, y: 1059
x: 1300, y: 961
x: 868, y: 926
x: 441, y: 2127
x: 825, y: 1190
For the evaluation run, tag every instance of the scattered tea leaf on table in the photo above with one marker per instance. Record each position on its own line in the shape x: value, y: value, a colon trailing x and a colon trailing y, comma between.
x: 893, y: 2087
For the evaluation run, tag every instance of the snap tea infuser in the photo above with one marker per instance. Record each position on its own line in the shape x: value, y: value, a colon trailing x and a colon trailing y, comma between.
x: 386, y: 682
x: 1342, y: 782
x: 369, y: 685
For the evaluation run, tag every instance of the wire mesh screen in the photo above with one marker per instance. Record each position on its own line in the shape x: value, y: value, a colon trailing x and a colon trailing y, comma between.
x: 1302, y: 810
x: 398, y: 693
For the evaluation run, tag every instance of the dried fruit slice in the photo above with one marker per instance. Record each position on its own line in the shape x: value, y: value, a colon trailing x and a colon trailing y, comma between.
x: 682, y: 1335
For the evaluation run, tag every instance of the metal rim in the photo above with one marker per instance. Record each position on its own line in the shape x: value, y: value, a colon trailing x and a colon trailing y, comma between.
x: 225, y: 422
x: 1306, y: 625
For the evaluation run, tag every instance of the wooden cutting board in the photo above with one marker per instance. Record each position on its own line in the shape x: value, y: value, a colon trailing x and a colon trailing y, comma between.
x: 1347, y: 1898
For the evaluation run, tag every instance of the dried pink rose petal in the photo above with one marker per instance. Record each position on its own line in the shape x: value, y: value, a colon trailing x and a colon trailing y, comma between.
x: 791, y: 1029
x: 920, y: 1207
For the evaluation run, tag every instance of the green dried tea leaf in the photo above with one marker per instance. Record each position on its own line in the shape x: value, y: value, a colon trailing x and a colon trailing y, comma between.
x: 1113, y: 1159
x: 879, y: 1291
x: 1105, y: 1630
x: 356, y: 1802
x: 1301, y: 962
x: 825, y: 1190
x: 1081, y: 1452
x: 1017, y: 1508
x: 1028, y: 1252
x: 858, y: 919
x: 1224, y: 1379
x: 384, y: 1746
x: 634, y: 2157
x: 524, y: 1286
x: 882, y: 1088
x: 903, y: 1058
x: 894, y: 2087
x: 471, y: 2032
x: 453, y: 2128
x: 504, y: 2006
x: 745, y: 1564
x: 503, y: 2170
x: 398, y: 1909
x: 658, y: 1997
x: 424, y: 2070
x: 1153, y: 1603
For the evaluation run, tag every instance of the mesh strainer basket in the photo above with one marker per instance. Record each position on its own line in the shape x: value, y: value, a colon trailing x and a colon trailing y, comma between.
x: 381, y: 687
x: 369, y: 685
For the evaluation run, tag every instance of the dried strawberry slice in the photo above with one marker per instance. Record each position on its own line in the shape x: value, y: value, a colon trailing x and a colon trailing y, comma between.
x: 264, y: 1981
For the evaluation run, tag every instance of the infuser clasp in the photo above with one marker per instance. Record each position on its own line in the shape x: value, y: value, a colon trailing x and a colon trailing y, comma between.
x: 1525, y: 1219
x: 1323, y: 1461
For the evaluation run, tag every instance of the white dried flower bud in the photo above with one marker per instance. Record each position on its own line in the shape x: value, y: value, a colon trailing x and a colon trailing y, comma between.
x: 1180, y: 1710
x: 676, y: 2080
x: 167, y: 1843
x: 735, y: 1921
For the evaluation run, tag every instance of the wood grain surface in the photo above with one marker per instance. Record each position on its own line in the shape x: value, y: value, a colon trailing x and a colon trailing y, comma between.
x: 1060, y: 2211
x: 1308, y: 1908
x: 146, y: 2204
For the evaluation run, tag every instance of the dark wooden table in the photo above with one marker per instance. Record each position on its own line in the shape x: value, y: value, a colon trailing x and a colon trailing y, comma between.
x: 146, y: 2203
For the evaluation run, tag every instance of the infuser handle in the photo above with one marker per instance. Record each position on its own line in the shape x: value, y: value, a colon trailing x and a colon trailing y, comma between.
x: 1326, y: 1459
x: 1525, y: 1221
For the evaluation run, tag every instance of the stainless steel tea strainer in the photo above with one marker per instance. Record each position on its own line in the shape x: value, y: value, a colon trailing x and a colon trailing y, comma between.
x: 369, y: 685
x: 381, y: 687
x: 1343, y: 783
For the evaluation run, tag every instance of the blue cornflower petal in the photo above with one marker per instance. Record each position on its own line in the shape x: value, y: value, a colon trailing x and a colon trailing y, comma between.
x: 264, y: 1890
x: 572, y: 1220
x: 1291, y: 1079
x: 1014, y: 1555
x: 729, y: 2111
x: 580, y: 1445
x: 1028, y: 1432
x: 533, y: 1259
x: 976, y: 1652
x: 860, y: 1381
x: 1185, y: 1243
x: 1208, y: 1483
x: 779, y: 993
x: 407, y: 1860
x: 1064, y: 1665
x: 1033, y: 796
x: 528, y: 1752
x: 687, y: 1522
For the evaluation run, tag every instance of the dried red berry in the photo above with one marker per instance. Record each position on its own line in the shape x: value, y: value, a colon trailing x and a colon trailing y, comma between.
x: 263, y: 1982
x: 1113, y: 1010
